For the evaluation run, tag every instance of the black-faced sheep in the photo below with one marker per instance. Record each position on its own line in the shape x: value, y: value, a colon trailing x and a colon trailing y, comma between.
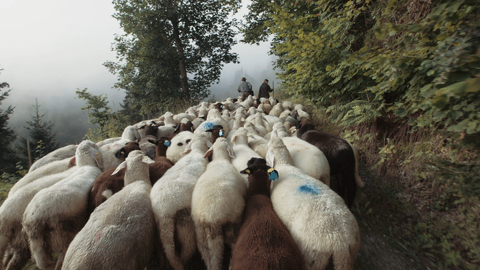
x: 264, y: 242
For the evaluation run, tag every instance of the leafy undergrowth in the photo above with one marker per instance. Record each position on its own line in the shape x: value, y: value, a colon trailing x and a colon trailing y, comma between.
x: 4, y: 189
x: 421, y: 194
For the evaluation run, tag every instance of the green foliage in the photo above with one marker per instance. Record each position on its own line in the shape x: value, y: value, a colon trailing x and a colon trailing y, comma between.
x: 97, y: 107
x: 42, y: 138
x: 171, y: 49
x: 403, y: 61
x: 7, y: 135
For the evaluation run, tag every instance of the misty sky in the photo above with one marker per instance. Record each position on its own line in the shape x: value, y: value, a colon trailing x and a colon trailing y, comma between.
x: 50, y: 48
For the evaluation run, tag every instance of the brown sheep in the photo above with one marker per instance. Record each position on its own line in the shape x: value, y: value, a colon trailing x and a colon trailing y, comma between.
x: 341, y: 158
x: 107, y: 184
x: 162, y: 163
x: 263, y: 241
x: 150, y: 134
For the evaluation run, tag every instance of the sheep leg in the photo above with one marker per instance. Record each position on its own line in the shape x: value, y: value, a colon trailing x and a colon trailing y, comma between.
x: 40, y: 254
x: 3, y: 247
x: 167, y: 234
x: 186, y: 235
x: 215, y: 246
x: 18, y: 260
x: 202, y: 244
x: 61, y: 257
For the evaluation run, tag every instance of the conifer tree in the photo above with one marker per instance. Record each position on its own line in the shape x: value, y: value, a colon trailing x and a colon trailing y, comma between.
x: 41, y: 137
x: 7, y: 135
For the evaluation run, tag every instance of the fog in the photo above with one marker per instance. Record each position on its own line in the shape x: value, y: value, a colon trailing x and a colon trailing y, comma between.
x: 51, y: 48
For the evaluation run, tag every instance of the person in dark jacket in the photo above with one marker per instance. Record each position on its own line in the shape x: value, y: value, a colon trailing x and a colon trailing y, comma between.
x: 264, y: 90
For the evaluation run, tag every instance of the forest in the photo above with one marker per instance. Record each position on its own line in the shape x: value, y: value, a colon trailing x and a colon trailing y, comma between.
x: 399, y: 79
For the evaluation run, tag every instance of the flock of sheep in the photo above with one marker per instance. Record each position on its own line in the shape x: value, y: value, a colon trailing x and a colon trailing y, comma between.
x: 243, y: 183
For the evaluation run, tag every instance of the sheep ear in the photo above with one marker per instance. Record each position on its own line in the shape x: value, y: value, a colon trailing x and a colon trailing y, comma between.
x: 72, y: 162
x: 152, y: 141
x: 137, y: 135
x: 96, y: 156
x: 147, y: 160
x: 246, y: 171
x: 119, y: 167
x: 208, y: 143
x: 121, y: 153
x: 188, y: 148
x: 230, y: 151
x: 208, y: 153
x: 270, y: 158
x: 176, y: 129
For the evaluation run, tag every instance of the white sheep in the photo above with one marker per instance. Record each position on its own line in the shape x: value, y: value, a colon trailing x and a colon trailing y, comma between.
x: 243, y: 153
x: 108, y: 151
x: 11, y: 216
x: 120, y: 233
x: 48, y: 169
x: 172, y: 200
x: 58, y: 154
x: 61, y: 210
x: 308, y: 158
x: 320, y: 223
x: 217, y: 205
x: 178, y: 143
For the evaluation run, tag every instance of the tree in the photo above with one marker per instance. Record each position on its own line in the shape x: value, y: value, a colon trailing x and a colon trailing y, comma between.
x: 41, y: 137
x: 97, y: 107
x: 8, y: 157
x: 171, y: 49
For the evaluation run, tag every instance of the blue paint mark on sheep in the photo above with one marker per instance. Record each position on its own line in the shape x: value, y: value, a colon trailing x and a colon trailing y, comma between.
x: 308, y: 189
x: 209, y: 125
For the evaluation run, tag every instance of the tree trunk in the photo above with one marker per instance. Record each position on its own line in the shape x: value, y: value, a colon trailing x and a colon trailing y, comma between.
x: 183, y: 68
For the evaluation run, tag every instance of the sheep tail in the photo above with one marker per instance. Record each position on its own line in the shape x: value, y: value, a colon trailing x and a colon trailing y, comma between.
x: 167, y: 236
x: 358, y: 180
x: 188, y: 241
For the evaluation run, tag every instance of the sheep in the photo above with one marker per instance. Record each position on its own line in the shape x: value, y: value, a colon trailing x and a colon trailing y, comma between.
x: 121, y: 232
x: 59, y: 154
x: 48, y: 169
x: 11, y: 215
x: 308, y: 158
x: 320, y: 223
x: 243, y: 153
x: 178, y: 143
x: 108, y: 141
x: 150, y: 134
x: 168, y: 119
x: 107, y: 184
x: 276, y: 110
x: 217, y: 205
x: 184, y: 125
x: 179, y: 117
x: 108, y: 151
x: 173, y: 216
x: 197, y: 121
x: 287, y: 105
x: 260, y: 125
x: 343, y: 162
x: 57, y: 213
x: 165, y: 131
x: 263, y: 241
x: 257, y: 143
x: 161, y: 164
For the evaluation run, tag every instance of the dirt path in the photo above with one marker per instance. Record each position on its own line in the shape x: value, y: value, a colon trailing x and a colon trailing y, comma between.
x: 379, y: 249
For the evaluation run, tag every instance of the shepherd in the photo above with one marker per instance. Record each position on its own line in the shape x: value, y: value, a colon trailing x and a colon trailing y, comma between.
x: 245, y: 88
x: 264, y: 90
